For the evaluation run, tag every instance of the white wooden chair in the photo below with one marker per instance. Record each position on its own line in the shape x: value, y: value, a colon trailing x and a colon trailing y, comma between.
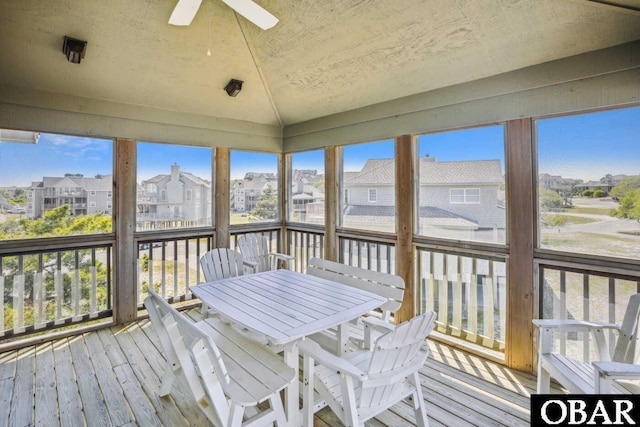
x: 363, y: 383
x: 226, y: 372
x: 255, y: 252
x: 387, y: 285
x: 221, y: 263
x: 601, y: 376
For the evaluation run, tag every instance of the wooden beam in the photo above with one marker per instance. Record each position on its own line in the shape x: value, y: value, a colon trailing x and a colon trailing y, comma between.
x: 125, y: 294
x: 405, y: 148
x: 331, y: 198
x: 222, y: 197
x: 521, y: 231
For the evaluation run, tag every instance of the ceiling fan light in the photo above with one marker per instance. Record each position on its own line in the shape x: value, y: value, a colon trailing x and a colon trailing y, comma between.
x: 234, y: 87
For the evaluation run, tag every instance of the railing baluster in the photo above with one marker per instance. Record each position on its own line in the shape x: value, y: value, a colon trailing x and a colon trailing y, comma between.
x: 38, y: 298
x: 18, y: 297
x: 488, y: 308
x: 472, y: 303
x: 587, y: 316
x: 76, y: 284
x: 59, y: 283
x: 94, y: 285
x: 563, y: 308
x: 612, y: 311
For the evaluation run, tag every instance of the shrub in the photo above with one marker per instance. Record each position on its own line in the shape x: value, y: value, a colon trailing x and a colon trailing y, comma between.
x: 599, y: 193
x: 587, y: 193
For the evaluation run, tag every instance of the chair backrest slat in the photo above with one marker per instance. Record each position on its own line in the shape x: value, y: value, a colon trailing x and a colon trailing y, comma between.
x: 396, y: 354
x: 221, y: 263
x: 387, y: 285
x: 627, y: 349
x: 255, y: 248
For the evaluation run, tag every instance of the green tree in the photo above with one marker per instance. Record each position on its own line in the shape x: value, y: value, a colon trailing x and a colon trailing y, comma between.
x: 267, y: 206
x: 549, y: 200
x: 626, y: 185
x: 629, y: 206
x: 19, y: 197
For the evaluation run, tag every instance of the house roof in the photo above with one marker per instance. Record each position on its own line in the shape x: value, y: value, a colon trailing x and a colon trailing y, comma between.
x: 432, y: 172
x: 322, y: 58
x: 429, y: 215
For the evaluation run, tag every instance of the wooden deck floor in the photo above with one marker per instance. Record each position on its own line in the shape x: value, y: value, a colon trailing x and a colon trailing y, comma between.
x: 110, y: 378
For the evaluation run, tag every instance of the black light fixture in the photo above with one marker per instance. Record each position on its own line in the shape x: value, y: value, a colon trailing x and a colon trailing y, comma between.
x: 74, y: 49
x: 234, y: 87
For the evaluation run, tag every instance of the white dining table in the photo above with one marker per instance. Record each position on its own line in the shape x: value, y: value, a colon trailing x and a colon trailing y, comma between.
x: 284, y: 306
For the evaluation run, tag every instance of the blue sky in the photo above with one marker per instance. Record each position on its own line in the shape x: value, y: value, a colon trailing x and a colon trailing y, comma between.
x: 585, y: 146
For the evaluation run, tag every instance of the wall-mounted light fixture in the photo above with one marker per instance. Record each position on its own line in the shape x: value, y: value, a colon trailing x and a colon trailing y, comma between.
x: 234, y: 87
x: 74, y: 49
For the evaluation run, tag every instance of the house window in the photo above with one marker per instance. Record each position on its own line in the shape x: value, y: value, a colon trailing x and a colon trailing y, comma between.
x: 306, y: 183
x: 464, y: 195
x: 453, y: 166
x: 169, y: 175
x: 41, y: 185
x: 92, y: 204
x: 109, y: 206
x: 92, y: 193
x: 257, y: 173
x: 109, y: 194
x: 589, y: 175
x: 368, y: 177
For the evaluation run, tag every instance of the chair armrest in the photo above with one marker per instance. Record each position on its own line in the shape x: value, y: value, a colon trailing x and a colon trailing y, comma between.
x: 251, y: 264
x: 572, y: 325
x: 616, y: 370
x: 283, y: 257
x: 312, y: 349
x: 377, y: 323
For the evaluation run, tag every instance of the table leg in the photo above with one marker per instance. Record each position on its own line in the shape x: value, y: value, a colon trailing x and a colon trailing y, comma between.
x: 342, y: 339
x: 292, y: 393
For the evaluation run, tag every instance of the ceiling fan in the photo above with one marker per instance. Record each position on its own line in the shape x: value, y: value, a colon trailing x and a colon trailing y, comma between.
x: 185, y: 11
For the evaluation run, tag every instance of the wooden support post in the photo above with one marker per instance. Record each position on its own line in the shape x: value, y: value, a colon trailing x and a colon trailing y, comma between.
x: 222, y: 196
x: 405, y: 207
x: 125, y: 295
x: 521, y: 226
x: 332, y: 178
x: 284, y: 198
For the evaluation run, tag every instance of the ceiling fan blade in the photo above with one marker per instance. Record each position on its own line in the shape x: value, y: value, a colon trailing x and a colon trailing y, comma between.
x: 184, y: 12
x: 253, y: 12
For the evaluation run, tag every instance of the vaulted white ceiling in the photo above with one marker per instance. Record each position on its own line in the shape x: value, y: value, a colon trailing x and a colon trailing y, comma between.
x: 322, y: 58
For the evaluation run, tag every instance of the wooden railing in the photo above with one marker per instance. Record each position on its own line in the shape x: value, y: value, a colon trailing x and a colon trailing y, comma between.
x: 171, y: 265
x: 305, y: 243
x: 468, y: 291
x: 43, y: 289
x: 569, y: 291
x: 375, y: 253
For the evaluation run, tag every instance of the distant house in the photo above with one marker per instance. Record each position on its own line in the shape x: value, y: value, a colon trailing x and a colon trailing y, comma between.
x: 85, y: 196
x: 178, y: 197
x: 307, y: 196
x: 457, y: 199
x: 606, y: 183
x: 557, y: 183
x: 246, y: 192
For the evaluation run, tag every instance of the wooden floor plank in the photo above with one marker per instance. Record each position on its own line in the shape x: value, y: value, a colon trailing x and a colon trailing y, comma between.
x: 138, y: 401
x: 148, y: 378
x: 95, y: 410
x: 46, y: 399
x: 21, y: 412
x: 69, y: 403
x: 114, y: 398
x: 113, y: 376
x: 8, y: 364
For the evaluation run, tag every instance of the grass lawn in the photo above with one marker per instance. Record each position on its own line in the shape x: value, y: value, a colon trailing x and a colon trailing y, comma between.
x: 588, y: 210
x: 556, y: 220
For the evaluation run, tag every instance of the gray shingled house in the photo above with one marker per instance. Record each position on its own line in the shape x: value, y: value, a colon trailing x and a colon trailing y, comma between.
x: 458, y: 199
